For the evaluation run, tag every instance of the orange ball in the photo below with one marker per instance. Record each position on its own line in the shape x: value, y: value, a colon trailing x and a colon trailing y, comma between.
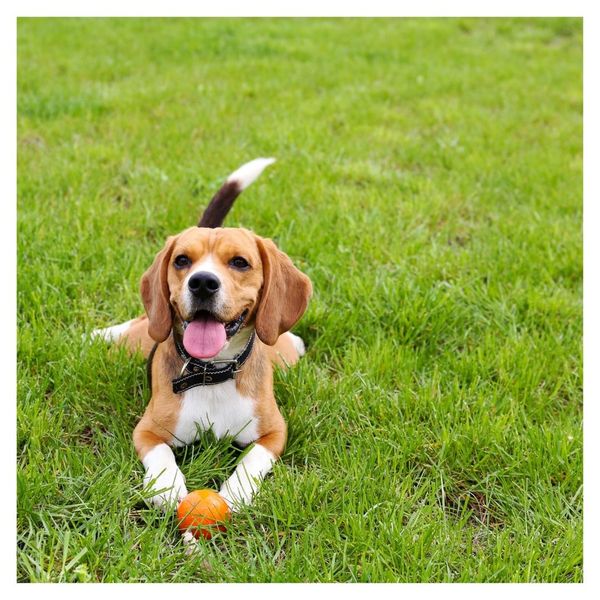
x: 203, y: 512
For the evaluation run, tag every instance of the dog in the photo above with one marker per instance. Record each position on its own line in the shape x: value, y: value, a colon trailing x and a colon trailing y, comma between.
x: 219, y: 306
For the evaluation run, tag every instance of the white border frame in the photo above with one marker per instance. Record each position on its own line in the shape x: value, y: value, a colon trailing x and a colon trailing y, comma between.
x: 315, y: 8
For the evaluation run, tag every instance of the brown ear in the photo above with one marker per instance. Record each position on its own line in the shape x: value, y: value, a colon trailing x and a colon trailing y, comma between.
x: 155, y: 294
x: 285, y: 293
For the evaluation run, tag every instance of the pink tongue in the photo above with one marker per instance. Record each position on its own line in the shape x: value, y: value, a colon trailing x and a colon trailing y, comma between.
x: 204, y: 337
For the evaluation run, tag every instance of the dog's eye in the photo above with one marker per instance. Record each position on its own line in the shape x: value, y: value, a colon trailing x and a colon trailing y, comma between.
x: 182, y: 261
x: 240, y: 263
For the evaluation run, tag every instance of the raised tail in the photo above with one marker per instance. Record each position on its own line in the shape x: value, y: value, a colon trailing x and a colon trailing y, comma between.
x: 221, y: 203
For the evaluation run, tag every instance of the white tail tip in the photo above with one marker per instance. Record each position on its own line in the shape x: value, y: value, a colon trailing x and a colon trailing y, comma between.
x: 250, y: 172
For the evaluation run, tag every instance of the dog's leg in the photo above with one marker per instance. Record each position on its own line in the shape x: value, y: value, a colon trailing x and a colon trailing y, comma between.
x: 241, y: 487
x: 297, y: 342
x: 133, y: 334
x: 113, y: 333
x: 163, y: 476
x: 287, y: 351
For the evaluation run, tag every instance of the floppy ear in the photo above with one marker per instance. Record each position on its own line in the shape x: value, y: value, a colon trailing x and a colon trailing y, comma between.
x: 285, y: 293
x: 155, y: 294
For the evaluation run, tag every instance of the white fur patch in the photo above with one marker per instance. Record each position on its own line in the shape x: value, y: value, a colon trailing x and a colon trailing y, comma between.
x: 298, y: 343
x: 190, y: 543
x: 240, y: 488
x: 163, y: 476
x: 112, y: 334
x: 208, y: 265
x: 218, y: 407
x: 249, y: 173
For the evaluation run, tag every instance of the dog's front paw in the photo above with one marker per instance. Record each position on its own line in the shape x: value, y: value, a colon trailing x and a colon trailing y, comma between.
x: 190, y: 543
x: 234, y: 501
x: 168, y: 487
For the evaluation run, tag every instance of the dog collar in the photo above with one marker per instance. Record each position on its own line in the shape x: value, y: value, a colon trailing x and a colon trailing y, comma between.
x: 197, y: 372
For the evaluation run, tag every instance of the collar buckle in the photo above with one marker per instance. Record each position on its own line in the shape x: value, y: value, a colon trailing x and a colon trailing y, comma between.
x: 229, y: 361
x: 223, y: 360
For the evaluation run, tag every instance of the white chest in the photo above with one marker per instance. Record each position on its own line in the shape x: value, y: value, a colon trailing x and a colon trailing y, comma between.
x: 220, y: 408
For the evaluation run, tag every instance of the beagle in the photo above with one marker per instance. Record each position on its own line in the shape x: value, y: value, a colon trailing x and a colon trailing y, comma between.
x: 220, y: 303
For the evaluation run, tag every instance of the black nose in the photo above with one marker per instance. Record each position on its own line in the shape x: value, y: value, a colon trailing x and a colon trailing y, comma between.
x: 203, y: 284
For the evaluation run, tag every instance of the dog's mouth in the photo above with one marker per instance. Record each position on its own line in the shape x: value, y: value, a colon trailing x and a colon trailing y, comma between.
x: 206, y: 335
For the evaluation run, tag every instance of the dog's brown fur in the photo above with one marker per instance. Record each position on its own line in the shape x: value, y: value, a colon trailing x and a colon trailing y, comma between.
x: 274, y: 292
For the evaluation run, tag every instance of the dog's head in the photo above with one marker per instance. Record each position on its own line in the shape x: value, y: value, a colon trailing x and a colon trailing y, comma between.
x: 214, y: 282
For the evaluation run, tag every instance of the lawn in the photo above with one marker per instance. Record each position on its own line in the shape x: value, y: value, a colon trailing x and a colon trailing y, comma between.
x: 429, y: 181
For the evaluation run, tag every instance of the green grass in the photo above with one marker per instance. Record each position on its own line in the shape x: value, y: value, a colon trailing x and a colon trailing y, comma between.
x: 429, y: 182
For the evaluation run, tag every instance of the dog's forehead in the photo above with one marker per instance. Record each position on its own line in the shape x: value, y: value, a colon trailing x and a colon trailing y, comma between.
x: 202, y: 240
